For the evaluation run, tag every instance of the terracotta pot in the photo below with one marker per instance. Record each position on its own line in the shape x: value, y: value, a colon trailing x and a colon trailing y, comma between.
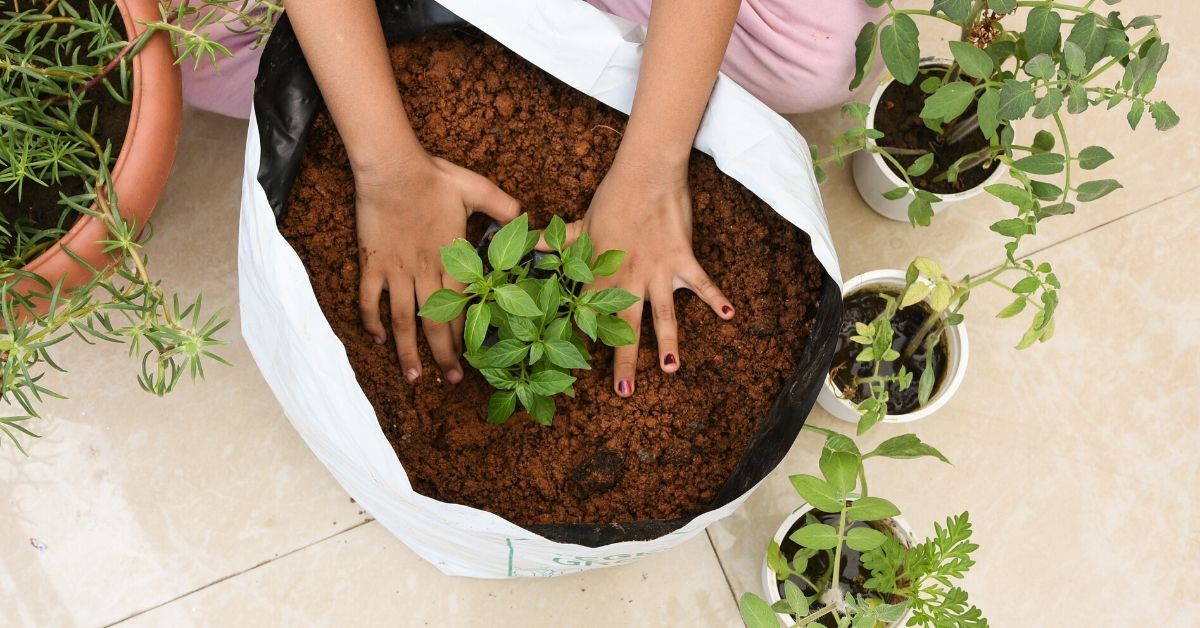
x: 143, y: 165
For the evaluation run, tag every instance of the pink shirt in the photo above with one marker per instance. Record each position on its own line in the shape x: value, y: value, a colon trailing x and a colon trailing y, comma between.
x: 795, y: 55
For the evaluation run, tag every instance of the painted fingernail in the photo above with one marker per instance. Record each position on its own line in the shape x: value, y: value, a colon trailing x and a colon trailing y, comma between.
x: 727, y: 310
x: 669, y: 360
x: 454, y: 376
x: 624, y: 387
x: 411, y: 375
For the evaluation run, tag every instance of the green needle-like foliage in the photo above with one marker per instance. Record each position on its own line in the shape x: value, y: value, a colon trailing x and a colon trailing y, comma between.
x: 919, y: 579
x: 541, y: 314
x: 55, y: 56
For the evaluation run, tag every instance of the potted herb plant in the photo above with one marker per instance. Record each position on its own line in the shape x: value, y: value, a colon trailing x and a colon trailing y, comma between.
x: 90, y: 119
x: 940, y: 131
x: 847, y: 558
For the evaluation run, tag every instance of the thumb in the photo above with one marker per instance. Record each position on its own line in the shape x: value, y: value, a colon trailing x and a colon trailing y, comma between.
x: 573, y: 231
x: 481, y: 195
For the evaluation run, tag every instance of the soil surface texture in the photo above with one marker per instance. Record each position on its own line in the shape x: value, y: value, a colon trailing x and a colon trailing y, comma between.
x: 899, y: 119
x: 661, y: 454
x: 864, y: 307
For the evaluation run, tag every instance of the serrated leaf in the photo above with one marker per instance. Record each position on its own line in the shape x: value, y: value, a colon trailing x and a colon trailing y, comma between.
x: 1016, y: 99
x: 1041, y: 66
x: 1049, y: 104
x: 1042, y: 30
x: 1164, y: 116
x: 899, y: 44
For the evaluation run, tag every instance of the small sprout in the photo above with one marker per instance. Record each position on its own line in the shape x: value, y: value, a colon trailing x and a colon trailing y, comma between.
x: 536, y: 310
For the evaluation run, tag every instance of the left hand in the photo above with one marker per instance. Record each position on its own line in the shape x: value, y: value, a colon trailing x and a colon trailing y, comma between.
x: 646, y: 211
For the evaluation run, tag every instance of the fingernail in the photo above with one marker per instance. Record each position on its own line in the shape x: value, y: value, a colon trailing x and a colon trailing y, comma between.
x: 454, y: 376
x: 411, y: 375
x: 669, y: 360
x: 379, y: 340
x: 727, y: 310
x: 624, y: 388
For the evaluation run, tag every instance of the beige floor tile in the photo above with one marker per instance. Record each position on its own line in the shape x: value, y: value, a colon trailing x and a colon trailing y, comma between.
x: 365, y: 577
x: 137, y: 499
x: 1075, y: 458
x: 1152, y: 166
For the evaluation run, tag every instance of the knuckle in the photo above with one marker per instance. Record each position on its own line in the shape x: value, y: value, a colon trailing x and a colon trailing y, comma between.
x: 664, y: 311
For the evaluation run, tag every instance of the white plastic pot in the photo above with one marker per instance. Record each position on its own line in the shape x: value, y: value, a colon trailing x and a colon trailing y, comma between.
x: 898, y: 527
x: 873, y: 177
x: 957, y: 352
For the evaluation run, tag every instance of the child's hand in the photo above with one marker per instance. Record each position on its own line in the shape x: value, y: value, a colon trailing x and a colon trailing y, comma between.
x: 647, y: 212
x: 404, y: 214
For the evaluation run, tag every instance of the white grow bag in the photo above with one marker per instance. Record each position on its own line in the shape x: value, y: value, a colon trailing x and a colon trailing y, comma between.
x: 306, y: 365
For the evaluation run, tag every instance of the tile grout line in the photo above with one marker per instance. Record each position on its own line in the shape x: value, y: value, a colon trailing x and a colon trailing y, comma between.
x: 724, y: 572
x: 236, y: 574
x: 1107, y: 223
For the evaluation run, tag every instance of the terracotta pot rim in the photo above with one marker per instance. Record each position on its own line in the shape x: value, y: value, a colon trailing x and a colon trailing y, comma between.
x: 139, y: 97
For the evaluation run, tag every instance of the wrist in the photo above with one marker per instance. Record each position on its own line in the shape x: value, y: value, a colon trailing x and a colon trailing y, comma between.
x: 390, y: 162
x: 651, y: 164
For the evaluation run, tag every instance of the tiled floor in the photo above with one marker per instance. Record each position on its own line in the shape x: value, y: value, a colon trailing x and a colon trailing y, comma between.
x: 1075, y: 458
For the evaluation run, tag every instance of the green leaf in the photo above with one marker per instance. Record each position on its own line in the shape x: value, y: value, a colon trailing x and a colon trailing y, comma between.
x: 523, y: 328
x: 900, y: 45
x: 548, y: 261
x: 612, y: 300
x: 871, y: 509
x: 578, y: 270
x: 1044, y: 163
x: 1002, y: 6
x: 1077, y: 100
x: 1026, y: 285
x: 1042, y: 30
x: 499, y: 378
x: 608, y: 263
x: 478, y: 318
x: 501, y: 406
x: 818, y: 536
x: 1164, y: 116
x: 1136, y: 111
x: 1090, y: 36
x: 1041, y: 66
x: 1074, y: 58
x: 564, y: 354
x: 614, y: 331
x: 585, y: 318
x: 1016, y: 99
x: 1011, y: 227
x: 443, y: 306
x: 505, y: 353
x: 508, y: 245
x: 896, y: 193
x: 921, y: 165
x: 904, y: 447
x: 550, y: 382
x: 1093, y: 190
x: 1093, y: 157
x: 540, y: 407
x: 957, y: 10
x: 864, y: 53
x: 949, y: 101
x: 821, y: 494
x: 581, y: 249
x: 756, y: 613
x: 1043, y: 142
x: 864, y: 539
x: 462, y: 262
x: 1045, y: 191
x: 840, y: 470
x: 515, y: 301
x: 973, y: 61
x: 556, y: 234
x: 1011, y: 194
x: 549, y: 299
x: 1014, y: 308
x: 989, y: 112
x: 1049, y: 104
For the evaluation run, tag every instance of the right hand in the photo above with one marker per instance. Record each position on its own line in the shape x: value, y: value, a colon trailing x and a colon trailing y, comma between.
x: 405, y: 212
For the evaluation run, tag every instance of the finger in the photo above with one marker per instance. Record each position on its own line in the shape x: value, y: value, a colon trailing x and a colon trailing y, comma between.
x: 481, y: 195
x: 370, y: 289
x: 625, y: 358
x: 695, y: 279
x: 439, y: 335
x: 404, y: 325
x: 573, y: 231
x: 666, y: 330
x: 456, y: 325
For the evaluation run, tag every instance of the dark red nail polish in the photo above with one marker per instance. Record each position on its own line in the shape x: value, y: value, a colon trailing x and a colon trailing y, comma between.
x: 670, y: 359
x: 623, y: 387
x: 726, y: 310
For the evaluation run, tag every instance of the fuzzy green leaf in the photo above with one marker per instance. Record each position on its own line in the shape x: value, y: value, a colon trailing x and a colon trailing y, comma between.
x: 864, y: 53
x: 1044, y: 163
x: 949, y: 101
x: 989, y: 112
x: 900, y: 45
x: 973, y: 61
x: 1042, y: 30
x: 1093, y: 157
x: 1016, y: 99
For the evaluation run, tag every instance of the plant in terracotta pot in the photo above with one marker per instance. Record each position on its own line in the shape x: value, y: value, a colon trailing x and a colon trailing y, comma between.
x: 847, y: 558
x: 940, y: 131
x: 903, y: 348
x: 90, y: 115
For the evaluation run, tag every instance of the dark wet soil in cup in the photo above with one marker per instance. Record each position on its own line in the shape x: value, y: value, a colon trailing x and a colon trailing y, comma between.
x: 661, y: 454
x: 864, y: 307
x: 899, y: 119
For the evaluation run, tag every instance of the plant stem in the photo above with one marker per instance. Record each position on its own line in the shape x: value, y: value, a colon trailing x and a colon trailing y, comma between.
x: 911, y: 346
x: 1062, y: 133
x: 815, y: 616
x: 836, y: 582
x: 105, y: 71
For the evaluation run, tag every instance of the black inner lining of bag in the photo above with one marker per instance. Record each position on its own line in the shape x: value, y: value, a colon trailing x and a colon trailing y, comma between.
x: 286, y: 101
